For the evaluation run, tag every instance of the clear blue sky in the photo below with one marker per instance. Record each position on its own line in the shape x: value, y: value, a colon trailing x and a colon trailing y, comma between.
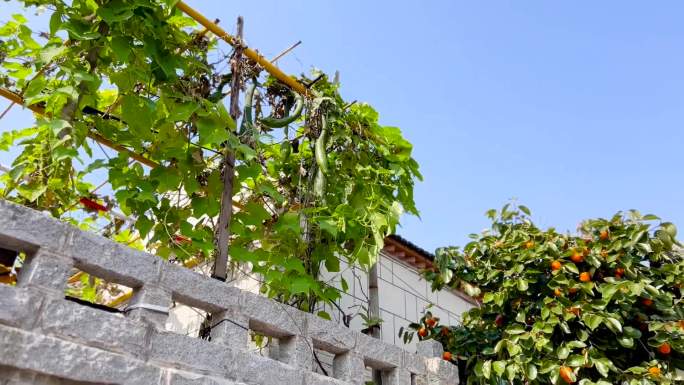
x: 575, y: 108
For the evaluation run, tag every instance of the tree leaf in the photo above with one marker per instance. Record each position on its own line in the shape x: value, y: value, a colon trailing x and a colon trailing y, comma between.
x: 499, y: 367
x: 562, y: 352
x: 613, y: 324
x: 300, y: 284
x: 487, y: 369
x: 592, y: 320
x: 602, y: 365
x: 524, y: 209
x: 211, y: 131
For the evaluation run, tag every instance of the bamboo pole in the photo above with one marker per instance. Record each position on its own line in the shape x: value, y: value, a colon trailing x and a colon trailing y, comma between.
x: 286, y: 51
x: 92, y: 135
x: 15, y: 98
x: 250, y: 53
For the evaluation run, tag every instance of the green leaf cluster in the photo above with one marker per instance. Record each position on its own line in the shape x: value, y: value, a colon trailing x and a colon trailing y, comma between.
x: 623, y: 322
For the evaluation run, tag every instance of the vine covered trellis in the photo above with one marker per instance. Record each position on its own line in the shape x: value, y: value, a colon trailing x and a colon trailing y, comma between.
x: 314, y: 179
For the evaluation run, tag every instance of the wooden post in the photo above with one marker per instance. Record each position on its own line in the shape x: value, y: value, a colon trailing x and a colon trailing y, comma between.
x: 228, y: 172
x: 374, y: 309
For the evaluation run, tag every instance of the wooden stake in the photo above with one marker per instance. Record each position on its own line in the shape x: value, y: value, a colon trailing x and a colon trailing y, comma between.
x: 223, y: 230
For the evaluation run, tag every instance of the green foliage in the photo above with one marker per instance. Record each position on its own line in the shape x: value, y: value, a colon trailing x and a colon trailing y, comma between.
x: 139, y: 74
x: 623, y: 323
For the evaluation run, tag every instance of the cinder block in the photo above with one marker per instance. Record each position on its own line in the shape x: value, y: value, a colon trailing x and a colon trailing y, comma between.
x: 94, y: 327
x: 329, y: 336
x: 296, y: 351
x: 46, y: 271
x: 311, y: 378
x: 272, y: 318
x: 150, y: 304
x: 255, y: 369
x: 188, y: 353
x: 24, y: 229
x: 112, y: 261
x: 230, y: 328
x: 396, y: 376
x: 196, y: 290
x: 429, y: 348
x: 19, y: 307
x: 378, y: 354
x: 176, y: 377
x: 446, y: 371
x: 70, y: 361
x: 349, y: 367
x: 195, y: 355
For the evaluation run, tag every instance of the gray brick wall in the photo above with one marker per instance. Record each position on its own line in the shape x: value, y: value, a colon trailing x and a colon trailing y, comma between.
x: 46, y: 339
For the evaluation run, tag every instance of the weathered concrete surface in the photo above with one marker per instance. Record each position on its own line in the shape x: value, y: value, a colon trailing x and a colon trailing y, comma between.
x: 45, y: 339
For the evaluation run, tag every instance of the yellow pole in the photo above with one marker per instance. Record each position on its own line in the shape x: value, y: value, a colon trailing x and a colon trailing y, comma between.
x: 15, y: 98
x: 250, y: 53
x: 92, y: 135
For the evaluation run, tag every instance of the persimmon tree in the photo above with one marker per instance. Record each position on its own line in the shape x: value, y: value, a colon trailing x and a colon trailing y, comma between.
x: 603, y: 306
x: 316, y: 179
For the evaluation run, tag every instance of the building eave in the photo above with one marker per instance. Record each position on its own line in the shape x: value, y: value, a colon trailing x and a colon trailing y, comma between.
x: 408, y: 253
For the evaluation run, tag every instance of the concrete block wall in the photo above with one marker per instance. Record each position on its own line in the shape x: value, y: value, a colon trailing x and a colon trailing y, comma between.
x: 47, y: 339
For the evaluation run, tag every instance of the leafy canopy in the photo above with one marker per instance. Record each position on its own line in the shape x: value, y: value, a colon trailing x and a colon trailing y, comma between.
x: 600, y: 307
x: 315, y: 181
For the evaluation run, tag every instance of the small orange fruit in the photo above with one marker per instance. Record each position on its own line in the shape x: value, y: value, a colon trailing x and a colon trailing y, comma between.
x: 647, y: 302
x: 604, y: 253
x: 499, y: 320
x: 664, y: 348
x: 654, y: 371
x: 566, y: 374
x: 577, y: 257
x: 619, y: 272
x: 573, y: 290
x: 445, y: 331
x: 431, y: 322
x: 575, y: 310
x: 556, y: 265
x: 529, y: 244
x: 557, y: 292
x: 585, y: 277
x: 422, y: 332
x: 604, y: 235
x: 446, y: 356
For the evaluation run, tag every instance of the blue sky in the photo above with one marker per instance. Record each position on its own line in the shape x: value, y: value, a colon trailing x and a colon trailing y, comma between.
x: 574, y: 108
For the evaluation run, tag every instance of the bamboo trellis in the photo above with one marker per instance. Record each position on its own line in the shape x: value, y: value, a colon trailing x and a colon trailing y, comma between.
x: 268, y: 66
x: 252, y: 54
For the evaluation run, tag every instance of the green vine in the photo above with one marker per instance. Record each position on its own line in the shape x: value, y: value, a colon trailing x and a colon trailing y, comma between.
x: 139, y: 74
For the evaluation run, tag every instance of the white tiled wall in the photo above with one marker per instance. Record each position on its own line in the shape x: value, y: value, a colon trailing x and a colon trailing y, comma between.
x: 404, y: 296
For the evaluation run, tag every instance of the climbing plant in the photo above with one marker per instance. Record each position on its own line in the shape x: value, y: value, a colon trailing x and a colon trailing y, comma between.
x: 316, y: 180
x: 604, y: 306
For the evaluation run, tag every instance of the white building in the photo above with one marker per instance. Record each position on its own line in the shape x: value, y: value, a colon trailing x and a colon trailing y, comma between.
x: 402, y: 294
